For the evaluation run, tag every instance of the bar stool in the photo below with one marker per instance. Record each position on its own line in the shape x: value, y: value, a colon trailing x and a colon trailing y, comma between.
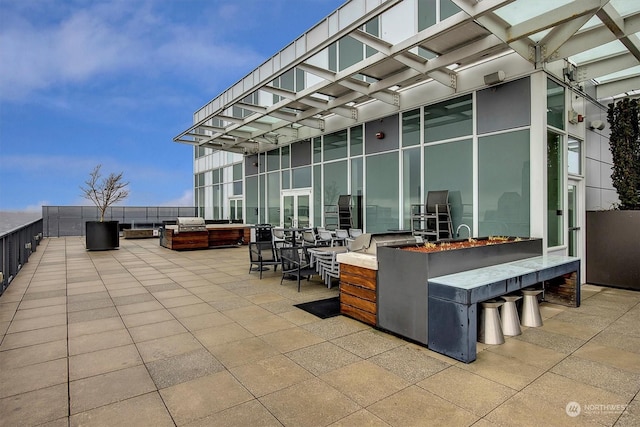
x: 490, y: 331
x: 530, y: 310
x: 509, y: 316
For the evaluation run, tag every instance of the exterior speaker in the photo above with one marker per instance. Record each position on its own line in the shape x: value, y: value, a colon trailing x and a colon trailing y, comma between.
x: 494, y: 78
x: 597, y: 124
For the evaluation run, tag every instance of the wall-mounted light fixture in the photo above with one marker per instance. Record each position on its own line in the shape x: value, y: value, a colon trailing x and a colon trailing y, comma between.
x: 494, y: 78
x: 597, y: 124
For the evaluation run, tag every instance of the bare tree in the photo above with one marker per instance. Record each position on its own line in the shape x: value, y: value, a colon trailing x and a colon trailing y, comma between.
x: 104, y: 192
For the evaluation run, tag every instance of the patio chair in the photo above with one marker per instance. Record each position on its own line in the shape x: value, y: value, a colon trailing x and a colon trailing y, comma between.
x: 280, y: 239
x: 340, y: 237
x: 434, y: 222
x: 262, y: 254
x: 355, y: 232
x: 295, y: 263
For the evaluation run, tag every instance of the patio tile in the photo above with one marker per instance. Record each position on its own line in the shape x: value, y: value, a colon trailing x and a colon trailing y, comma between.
x: 361, y: 418
x: 368, y: 343
x: 38, y: 336
x: 163, y: 348
x: 182, y: 368
x: 291, y: 339
x: 180, y: 301
x: 613, y: 339
x: 618, y: 381
x: 243, y: 351
x: 32, y: 355
x: 32, y: 377
x: 134, y: 290
x: 528, y: 353
x: 323, y: 357
x: 133, y: 299
x: 103, y: 361
x: 364, y: 382
x: 192, y: 400
x: 95, y: 326
x: 631, y: 416
x: 582, y: 332
x: 411, y: 362
x: 192, y: 310
x: 37, y: 323
x: 99, y: 341
x: 251, y: 413
x: 204, y: 321
x: 100, y: 313
x: 610, y: 356
x: 35, y: 407
x: 267, y: 324
x: 265, y: 376
x: 27, y: 304
x: 508, y: 371
x: 211, y: 337
x: 156, y: 330
x: 39, y: 312
x: 467, y: 390
x: 416, y: 406
x: 146, y: 318
x: 550, y: 340
x: 139, y: 307
x: 91, y: 304
x: 93, y: 392
x: 310, y: 403
x: 145, y: 410
x: 335, y: 327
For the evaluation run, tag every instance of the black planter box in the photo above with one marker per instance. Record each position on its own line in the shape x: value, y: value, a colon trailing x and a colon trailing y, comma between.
x: 102, y: 236
x: 402, y: 290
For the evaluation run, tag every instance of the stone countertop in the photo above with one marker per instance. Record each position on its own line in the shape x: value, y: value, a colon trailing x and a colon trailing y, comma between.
x: 358, y: 260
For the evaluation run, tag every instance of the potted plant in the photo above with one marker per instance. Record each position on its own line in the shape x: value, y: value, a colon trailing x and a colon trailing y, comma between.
x: 103, y: 192
x: 613, y: 235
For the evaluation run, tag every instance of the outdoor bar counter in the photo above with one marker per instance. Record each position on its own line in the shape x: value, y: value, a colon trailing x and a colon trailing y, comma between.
x: 432, y: 298
x: 215, y: 235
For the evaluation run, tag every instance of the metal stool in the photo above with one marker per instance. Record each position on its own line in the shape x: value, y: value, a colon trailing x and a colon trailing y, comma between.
x: 530, y: 310
x: 509, y: 316
x: 490, y: 331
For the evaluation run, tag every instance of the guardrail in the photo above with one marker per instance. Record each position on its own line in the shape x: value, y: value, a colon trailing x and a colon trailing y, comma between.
x: 16, y: 246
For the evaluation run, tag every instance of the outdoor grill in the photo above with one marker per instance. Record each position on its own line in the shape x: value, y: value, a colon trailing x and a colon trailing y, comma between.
x: 190, y: 224
x: 368, y: 243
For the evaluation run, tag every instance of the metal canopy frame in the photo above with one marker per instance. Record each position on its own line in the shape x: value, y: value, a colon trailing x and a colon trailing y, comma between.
x: 596, y: 40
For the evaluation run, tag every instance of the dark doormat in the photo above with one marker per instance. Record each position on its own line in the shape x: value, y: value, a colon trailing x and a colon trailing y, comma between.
x: 323, y: 308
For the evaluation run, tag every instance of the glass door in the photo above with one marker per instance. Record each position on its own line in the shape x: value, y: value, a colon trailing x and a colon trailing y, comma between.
x: 296, y: 209
x: 235, y: 208
x: 573, y: 219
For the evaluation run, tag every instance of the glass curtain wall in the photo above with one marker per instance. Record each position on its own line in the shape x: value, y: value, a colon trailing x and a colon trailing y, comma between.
x: 555, y: 190
x: 382, y: 202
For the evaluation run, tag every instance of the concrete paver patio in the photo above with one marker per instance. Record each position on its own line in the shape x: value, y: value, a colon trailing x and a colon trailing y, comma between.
x: 147, y: 336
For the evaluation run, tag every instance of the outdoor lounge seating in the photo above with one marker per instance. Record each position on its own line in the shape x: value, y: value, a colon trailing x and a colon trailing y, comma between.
x: 295, y: 264
x: 262, y: 254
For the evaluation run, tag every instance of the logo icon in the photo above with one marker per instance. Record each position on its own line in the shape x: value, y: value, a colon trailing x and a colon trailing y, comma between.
x: 573, y: 409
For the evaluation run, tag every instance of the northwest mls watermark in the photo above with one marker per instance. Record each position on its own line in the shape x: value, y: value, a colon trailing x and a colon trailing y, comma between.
x: 573, y: 409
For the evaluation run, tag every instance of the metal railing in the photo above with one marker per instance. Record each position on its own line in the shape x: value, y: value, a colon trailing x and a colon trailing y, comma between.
x: 61, y: 221
x: 16, y: 246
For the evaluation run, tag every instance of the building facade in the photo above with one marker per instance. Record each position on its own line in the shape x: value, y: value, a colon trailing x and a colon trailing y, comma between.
x: 500, y: 102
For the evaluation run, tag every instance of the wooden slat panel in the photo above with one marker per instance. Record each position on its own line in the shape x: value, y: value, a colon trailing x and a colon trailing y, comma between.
x: 359, y: 303
x: 357, y: 291
x: 358, y: 280
x: 359, y: 271
x: 363, y: 316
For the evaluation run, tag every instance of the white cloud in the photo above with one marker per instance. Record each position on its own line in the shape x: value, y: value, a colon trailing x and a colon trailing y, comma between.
x: 186, y: 199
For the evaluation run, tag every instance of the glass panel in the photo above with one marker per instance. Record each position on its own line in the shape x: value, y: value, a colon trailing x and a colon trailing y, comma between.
x: 356, y: 140
x: 335, y: 181
x: 447, y: 9
x: 351, y: 52
x: 356, y: 190
x: 301, y: 177
x: 239, y: 211
x: 574, y: 160
x: 382, y: 192
x: 263, y: 192
x: 237, y: 188
x: 503, y: 184
x: 287, y: 207
x: 554, y: 190
x: 555, y: 104
x: 273, y: 201
x: 448, y: 119
x: 411, y: 128
x: 317, y: 194
x: 572, y: 211
x: 285, y: 158
x: 317, y: 150
x: 286, y: 179
x: 216, y: 202
x: 273, y: 160
x: 335, y: 145
x: 411, y: 185
x: 303, y: 211
x: 232, y: 209
x: 237, y: 172
x: 426, y: 14
x: 252, y: 199
x: 261, y: 162
x: 450, y: 167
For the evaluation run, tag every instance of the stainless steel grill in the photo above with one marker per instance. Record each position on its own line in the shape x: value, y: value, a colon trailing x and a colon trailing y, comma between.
x: 190, y: 224
x: 368, y: 243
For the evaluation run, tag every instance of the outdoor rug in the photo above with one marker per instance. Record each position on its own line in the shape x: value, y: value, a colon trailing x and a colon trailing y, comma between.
x: 323, y: 308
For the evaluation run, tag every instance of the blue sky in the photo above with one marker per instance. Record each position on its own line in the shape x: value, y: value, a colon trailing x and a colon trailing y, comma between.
x: 111, y: 82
